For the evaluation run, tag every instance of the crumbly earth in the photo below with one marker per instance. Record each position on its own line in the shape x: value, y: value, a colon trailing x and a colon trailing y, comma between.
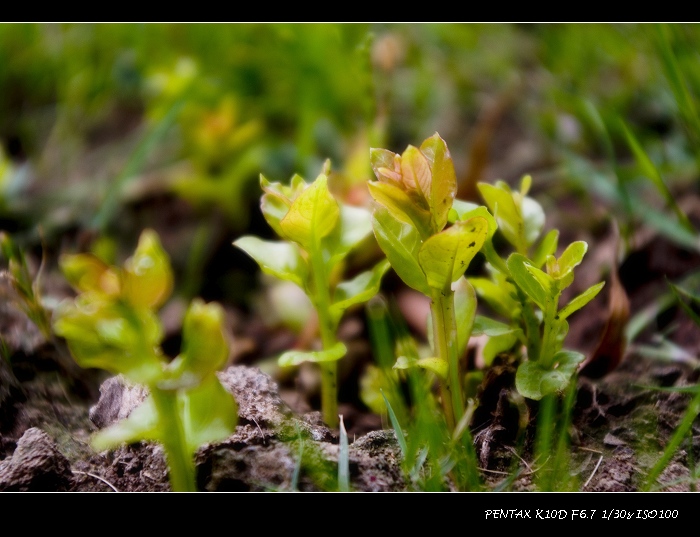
x: 620, y: 427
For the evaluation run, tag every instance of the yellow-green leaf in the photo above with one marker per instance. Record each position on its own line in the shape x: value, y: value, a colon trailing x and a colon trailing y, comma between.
x: 148, y: 276
x: 570, y: 258
x: 401, y: 206
x: 312, y: 216
x: 277, y: 258
x: 499, y: 200
x: 294, y: 357
x: 209, y: 413
x: 436, y: 365
x: 86, y: 272
x: 205, y: 345
x: 360, y: 289
x: 443, y: 187
x: 522, y: 273
x: 580, y: 300
x: 444, y: 257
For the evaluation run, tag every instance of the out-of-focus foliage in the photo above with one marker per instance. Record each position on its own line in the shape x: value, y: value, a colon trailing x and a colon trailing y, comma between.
x: 97, y: 118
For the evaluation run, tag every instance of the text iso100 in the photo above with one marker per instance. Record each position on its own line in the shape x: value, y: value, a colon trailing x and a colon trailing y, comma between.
x: 638, y: 514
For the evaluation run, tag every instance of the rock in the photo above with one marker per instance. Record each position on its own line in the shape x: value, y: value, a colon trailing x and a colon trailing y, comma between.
x: 117, y: 400
x: 36, y: 466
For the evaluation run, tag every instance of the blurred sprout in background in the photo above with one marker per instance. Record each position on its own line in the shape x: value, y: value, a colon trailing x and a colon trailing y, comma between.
x: 115, y: 127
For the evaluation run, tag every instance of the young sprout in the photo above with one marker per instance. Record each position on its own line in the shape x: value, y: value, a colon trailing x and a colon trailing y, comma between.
x: 112, y: 324
x: 527, y: 287
x: 318, y: 232
x: 415, y: 201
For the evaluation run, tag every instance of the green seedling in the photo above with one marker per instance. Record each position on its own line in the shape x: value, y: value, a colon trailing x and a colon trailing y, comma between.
x: 318, y: 232
x: 112, y: 324
x: 527, y: 288
x: 415, y: 197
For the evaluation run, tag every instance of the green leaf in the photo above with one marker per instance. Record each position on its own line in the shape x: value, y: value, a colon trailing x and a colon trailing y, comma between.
x: 209, y: 412
x: 499, y: 200
x: 312, y: 216
x: 278, y: 198
x: 498, y: 344
x: 205, y: 346
x: 534, y: 381
x: 459, y: 208
x: 445, y: 256
x: 355, y: 226
x: 85, y: 272
x: 580, y: 301
x: 498, y: 295
x: 401, y: 243
x: 533, y: 219
x: 147, y: 279
x: 360, y: 289
x: 547, y: 247
x: 569, y: 259
x: 277, y: 258
x: 274, y: 208
x: 486, y: 326
x: 546, y: 281
x: 523, y: 275
x: 290, y: 358
x: 112, y: 336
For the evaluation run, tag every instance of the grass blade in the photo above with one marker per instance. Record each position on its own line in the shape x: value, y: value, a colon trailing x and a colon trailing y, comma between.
x: 397, y: 427
x: 343, y: 459
x: 652, y: 173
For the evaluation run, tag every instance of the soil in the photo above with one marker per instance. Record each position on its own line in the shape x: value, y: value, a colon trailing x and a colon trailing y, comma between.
x: 621, y: 420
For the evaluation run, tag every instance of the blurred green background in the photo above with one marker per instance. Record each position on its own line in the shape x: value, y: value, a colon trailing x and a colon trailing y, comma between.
x: 110, y: 128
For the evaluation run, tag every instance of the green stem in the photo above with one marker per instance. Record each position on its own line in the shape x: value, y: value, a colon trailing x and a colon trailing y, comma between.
x: 445, y: 341
x: 549, y: 334
x: 532, y: 325
x: 544, y: 440
x: 180, y: 463
x: 329, y: 370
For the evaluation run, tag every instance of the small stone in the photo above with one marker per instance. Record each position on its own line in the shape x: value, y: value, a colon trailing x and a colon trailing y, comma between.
x: 36, y: 466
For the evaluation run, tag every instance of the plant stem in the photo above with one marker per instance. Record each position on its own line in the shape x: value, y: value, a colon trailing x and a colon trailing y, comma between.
x: 445, y: 343
x: 532, y: 325
x: 544, y: 440
x: 549, y: 334
x: 329, y: 370
x: 180, y: 464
